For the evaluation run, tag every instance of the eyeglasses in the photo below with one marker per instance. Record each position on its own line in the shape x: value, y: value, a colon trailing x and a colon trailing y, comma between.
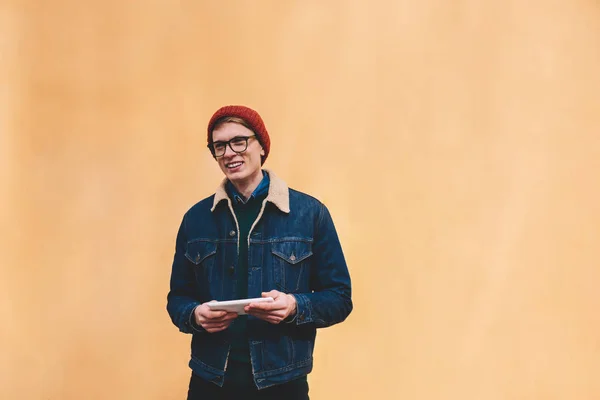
x: 238, y: 144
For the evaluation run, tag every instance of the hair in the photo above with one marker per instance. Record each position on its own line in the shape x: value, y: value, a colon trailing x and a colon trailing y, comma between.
x: 234, y: 120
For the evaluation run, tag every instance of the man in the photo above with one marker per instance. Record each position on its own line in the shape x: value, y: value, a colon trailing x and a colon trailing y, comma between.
x: 254, y: 237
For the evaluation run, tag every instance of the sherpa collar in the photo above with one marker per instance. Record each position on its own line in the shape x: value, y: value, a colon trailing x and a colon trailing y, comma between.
x: 279, y: 193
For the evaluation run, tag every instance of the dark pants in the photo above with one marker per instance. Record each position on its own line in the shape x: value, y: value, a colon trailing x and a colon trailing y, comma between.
x: 204, y: 390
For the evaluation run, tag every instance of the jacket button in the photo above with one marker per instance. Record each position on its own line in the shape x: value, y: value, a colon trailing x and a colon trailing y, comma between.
x: 232, y: 233
x: 232, y: 270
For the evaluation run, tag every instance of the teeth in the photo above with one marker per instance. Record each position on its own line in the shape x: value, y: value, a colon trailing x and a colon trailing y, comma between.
x: 234, y: 165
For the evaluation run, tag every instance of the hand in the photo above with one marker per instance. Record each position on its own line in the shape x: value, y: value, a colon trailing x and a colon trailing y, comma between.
x: 213, y: 321
x: 283, y: 305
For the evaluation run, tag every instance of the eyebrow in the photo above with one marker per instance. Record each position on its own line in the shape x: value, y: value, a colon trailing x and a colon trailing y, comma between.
x: 235, y: 137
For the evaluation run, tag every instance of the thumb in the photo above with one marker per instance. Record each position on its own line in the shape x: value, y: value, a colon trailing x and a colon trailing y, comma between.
x: 273, y: 293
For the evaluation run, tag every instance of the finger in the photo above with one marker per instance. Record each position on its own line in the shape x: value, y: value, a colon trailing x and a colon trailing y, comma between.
x: 276, y: 305
x: 214, y: 330
x: 213, y: 320
x: 266, y: 316
x: 227, y: 317
x: 258, y: 314
x: 216, y: 327
x: 273, y: 293
x: 213, y: 323
x: 267, y: 312
x: 220, y: 316
x: 273, y: 320
x: 257, y: 308
x: 208, y: 326
x: 212, y: 314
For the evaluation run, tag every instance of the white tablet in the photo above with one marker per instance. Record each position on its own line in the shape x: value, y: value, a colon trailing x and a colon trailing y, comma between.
x: 236, y: 306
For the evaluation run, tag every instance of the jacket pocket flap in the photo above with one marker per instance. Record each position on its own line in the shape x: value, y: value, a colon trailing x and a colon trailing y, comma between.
x: 292, y: 252
x: 198, y: 251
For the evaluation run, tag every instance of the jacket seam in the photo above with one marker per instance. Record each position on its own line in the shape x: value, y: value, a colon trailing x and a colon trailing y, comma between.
x: 291, y: 367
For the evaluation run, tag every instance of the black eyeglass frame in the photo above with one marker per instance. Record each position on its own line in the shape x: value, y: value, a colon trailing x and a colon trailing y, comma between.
x: 228, y: 143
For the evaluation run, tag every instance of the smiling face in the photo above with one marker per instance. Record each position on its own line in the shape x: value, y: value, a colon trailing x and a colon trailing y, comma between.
x: 244, y: 168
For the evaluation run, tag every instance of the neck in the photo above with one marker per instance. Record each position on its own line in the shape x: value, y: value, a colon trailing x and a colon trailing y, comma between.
x: 247, y: 186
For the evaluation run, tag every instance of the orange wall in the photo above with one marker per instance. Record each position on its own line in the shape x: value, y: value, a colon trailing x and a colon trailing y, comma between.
x: 457, y: 145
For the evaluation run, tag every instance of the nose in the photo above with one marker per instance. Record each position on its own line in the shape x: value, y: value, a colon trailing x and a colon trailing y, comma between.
x: 228, y: 151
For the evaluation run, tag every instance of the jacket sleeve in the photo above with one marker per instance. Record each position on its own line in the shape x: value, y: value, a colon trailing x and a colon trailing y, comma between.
x: 181, y: 299
x: 330, y: 301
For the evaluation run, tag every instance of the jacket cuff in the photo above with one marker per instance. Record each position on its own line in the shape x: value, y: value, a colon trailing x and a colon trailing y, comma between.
x: 303, y: 310
x: 291, y: 319
x: 191, y: 322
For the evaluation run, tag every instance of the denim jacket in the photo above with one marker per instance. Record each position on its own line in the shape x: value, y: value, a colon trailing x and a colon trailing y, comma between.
x: 293, y: 247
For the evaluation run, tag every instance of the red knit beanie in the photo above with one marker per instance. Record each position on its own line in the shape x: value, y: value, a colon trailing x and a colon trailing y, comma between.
x: 252, y: 119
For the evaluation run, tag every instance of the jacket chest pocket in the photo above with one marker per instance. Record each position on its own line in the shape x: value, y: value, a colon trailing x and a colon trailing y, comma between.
x: 202, y: 256
x: 291, y: 265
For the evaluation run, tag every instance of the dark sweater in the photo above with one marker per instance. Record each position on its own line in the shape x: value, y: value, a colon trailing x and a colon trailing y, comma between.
x: 239, y: 369
x: 246, y: 215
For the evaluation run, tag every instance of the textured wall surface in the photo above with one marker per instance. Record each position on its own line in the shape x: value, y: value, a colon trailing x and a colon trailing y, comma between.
x: 457, y: 145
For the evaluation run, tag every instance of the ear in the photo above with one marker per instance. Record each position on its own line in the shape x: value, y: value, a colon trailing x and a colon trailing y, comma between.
x: 262, y: 151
